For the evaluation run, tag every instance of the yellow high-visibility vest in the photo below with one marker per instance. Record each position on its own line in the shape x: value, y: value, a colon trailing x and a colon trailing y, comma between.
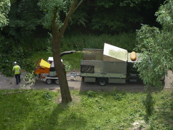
x: 16, y: 69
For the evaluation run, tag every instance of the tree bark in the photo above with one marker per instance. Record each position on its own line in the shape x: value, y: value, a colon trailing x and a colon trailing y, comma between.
x: 59, y: 67
x: 56, y: 38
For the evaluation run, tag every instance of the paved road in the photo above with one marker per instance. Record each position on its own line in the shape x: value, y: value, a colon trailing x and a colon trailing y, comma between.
x: 77, y: 84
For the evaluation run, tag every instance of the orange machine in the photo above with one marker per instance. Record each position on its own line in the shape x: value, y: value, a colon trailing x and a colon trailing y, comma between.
x: 46, y: 70
x: 42, y: 67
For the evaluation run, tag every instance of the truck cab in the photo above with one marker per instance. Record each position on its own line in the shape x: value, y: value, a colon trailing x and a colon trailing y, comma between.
x: 132, y: 73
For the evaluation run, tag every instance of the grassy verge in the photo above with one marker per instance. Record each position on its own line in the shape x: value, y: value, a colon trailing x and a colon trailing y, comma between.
x: 73, y: 60
x: 39, y: 109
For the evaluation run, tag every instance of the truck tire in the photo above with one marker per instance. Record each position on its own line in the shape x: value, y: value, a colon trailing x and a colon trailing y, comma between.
x: 102, y: 81
x: 56, y: 81
x: 48, y: 81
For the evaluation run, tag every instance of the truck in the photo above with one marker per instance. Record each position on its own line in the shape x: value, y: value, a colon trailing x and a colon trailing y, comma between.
x: 109, y: 65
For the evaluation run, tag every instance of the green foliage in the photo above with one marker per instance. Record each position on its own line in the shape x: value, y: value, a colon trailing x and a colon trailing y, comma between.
x: 47, y: 96
x: 30, y: 78
x: 108, y: 16
x: 91, y: 93
x: 4, y: 9
x: 49, y: 8
x: 106, y: 21
x: 164, y: 15
x: 78, y: 41
x: 79, y: 18
x: 34, y: 44
x: 118, y: 95
x: 148, y: 103
x: 24, y: 19
x: 131, y: 2
x: 156, y: 58
x: 72, y: 61
x: 10, y: 53
x: 156, y: 47
x: 67, y: 66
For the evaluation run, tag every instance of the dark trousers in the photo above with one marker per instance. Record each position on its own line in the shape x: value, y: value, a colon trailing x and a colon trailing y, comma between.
x: 17, y: 76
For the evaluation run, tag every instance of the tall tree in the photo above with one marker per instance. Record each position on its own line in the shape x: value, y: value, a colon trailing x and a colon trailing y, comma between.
x: 55, y: 11
x: 115, y: 16
x: 24, y: 19
x: 4, y: 9
x: 156, y: 46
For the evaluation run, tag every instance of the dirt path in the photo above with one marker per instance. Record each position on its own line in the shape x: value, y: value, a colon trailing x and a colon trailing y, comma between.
x: 77, y: 84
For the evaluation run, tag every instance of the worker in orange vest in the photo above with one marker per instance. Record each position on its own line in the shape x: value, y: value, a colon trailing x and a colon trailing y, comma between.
x: 17, y: 71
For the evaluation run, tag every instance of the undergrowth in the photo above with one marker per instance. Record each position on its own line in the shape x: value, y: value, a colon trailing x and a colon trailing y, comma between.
x: 9, y: 52
x: 27, y: 51
x: 79, y: 41
x: 39, y: 109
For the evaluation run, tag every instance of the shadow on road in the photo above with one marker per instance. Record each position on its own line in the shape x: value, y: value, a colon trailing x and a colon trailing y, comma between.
x: 130, y: 87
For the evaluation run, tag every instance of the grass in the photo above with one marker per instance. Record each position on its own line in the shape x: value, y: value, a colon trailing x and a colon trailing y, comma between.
x: 73, y: 60
x: 40, y: 109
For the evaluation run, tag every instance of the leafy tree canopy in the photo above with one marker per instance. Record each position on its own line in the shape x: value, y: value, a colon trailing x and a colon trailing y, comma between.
x: 121, y: 15
x: 156, y: 46
x: 49, y: 8
x: 24, y: 18
x: 4, y: 9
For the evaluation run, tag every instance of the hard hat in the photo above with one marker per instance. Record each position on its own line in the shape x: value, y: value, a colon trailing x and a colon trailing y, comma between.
x: 15, y: 62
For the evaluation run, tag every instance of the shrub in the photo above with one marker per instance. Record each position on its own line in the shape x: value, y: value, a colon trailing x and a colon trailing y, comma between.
x: 148, y: 103
x: 9, y: 52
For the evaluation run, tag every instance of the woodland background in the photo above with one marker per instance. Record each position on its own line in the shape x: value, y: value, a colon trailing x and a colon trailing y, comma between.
x: 95, y: 22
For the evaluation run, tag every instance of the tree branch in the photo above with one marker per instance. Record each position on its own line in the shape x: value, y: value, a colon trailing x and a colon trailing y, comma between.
x: 72, y: 8
x: 78, y: 5
x: 55, y: 28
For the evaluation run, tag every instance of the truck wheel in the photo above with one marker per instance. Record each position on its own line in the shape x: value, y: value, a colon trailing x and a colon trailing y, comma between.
x: 102, y: 81
x: 48, y: 81
x: 56, y: 81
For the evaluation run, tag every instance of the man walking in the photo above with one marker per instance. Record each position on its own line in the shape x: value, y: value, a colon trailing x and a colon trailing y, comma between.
x: 16, y: 70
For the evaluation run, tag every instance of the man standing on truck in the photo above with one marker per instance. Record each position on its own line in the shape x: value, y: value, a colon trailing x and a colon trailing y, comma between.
x: 17, y: 71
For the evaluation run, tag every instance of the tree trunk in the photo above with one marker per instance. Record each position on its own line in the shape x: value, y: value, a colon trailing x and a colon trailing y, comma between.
x: 59, y: 67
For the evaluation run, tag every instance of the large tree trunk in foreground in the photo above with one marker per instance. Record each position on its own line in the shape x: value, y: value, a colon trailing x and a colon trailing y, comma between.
x: 59, y: 67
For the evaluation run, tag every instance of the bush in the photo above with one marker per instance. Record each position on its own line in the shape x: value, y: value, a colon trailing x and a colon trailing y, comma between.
x: 10, y: 53
x: 78, y: 41
x: 91, y: 94
x: 148, y: 103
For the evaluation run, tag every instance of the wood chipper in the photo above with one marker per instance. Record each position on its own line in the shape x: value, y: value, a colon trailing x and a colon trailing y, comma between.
x: 46, y: 70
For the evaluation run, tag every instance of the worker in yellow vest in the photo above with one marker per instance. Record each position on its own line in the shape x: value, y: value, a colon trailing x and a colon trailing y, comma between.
x: 17, y: 71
